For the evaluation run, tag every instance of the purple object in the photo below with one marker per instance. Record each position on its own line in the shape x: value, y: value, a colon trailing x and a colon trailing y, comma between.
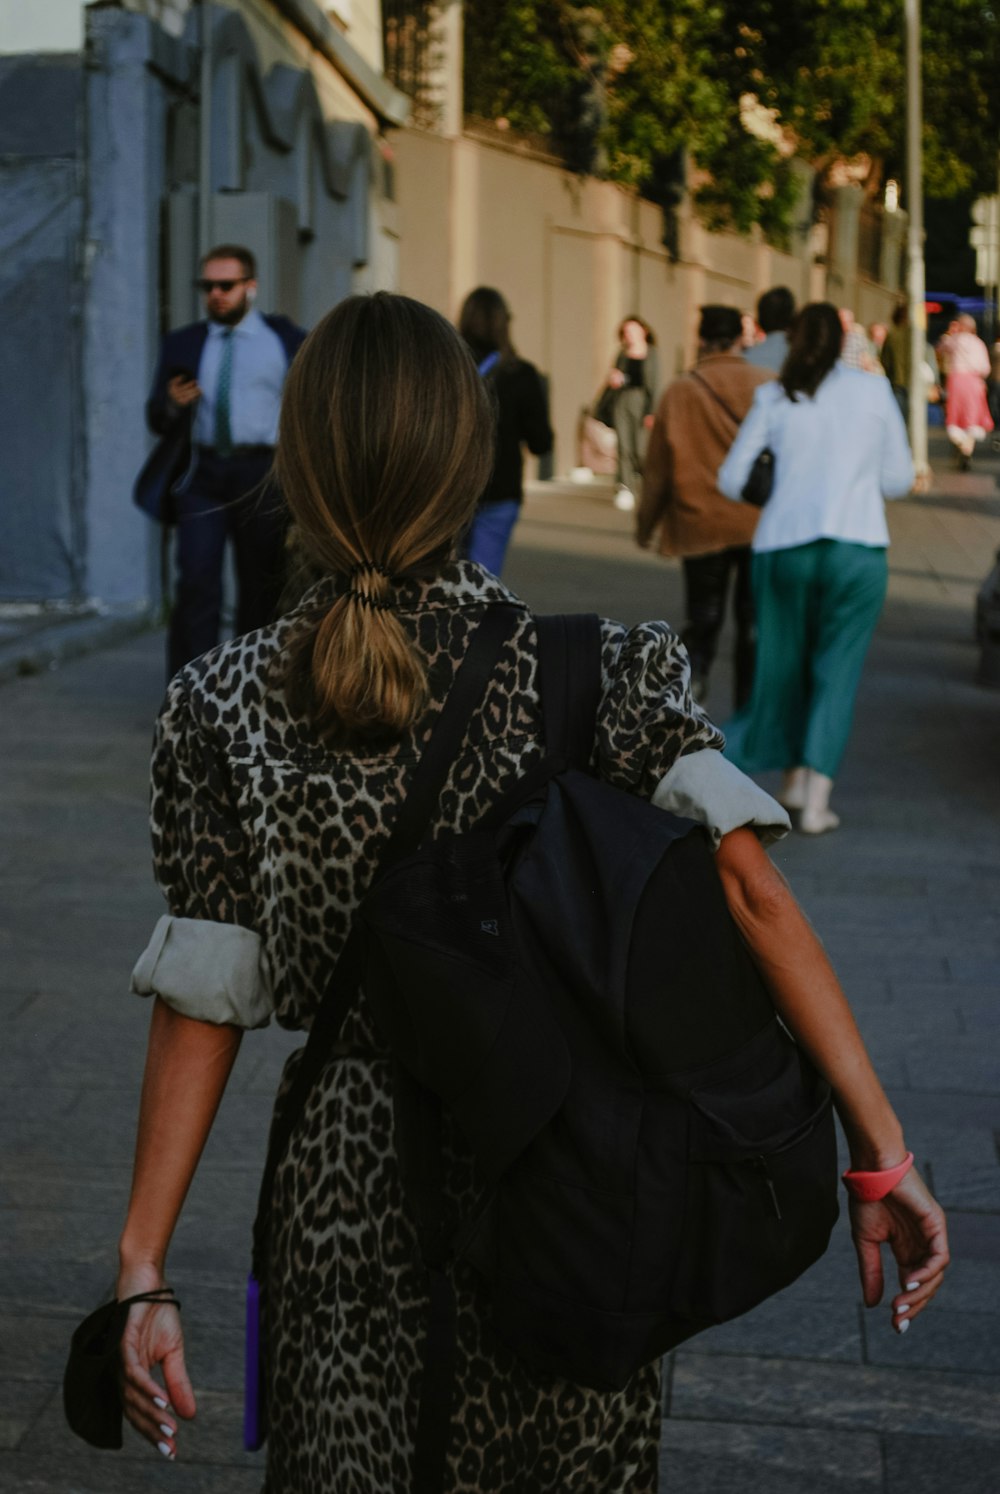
x: 254, y: 1426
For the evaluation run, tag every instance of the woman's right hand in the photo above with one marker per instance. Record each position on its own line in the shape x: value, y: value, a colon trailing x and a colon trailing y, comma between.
x: 153, y: 1338
x: 615, y: 378
x: 911, y: 1222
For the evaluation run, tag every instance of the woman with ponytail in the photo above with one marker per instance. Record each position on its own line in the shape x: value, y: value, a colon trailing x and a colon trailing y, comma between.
x: 282, y: 762
x: 819, y: 557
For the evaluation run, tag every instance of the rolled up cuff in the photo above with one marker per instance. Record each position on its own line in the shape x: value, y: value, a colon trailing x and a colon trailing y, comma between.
x: 214, y: 972
x: 706, y: 787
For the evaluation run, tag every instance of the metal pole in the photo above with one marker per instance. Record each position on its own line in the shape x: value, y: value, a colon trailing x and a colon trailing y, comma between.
x: 205, y: 129
x: 915, y: 279
x: 994, y: 218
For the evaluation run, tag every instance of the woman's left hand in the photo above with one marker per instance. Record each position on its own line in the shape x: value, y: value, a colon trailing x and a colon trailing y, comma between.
x: 911, y: 1222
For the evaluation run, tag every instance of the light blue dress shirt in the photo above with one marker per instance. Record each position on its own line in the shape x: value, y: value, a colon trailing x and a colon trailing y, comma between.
x: 258, y: 377
x: 836, y: 457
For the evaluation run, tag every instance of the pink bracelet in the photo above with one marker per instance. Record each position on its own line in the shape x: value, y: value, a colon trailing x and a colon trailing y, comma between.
x: 869, y: 1187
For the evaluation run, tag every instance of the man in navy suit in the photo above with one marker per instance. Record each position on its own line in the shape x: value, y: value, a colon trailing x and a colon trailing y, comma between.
x: 215, y: 402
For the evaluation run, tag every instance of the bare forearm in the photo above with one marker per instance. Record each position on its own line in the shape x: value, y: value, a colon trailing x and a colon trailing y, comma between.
x: 187, y: 1067
x: 808, y: 997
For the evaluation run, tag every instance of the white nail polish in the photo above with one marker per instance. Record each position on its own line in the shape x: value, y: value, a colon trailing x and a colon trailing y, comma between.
x: 160, y: 1405
x: 911, y: 1286
x: 903, y: 1326
x: 165, y: 1450
x: 167, y: 1431
x: 903, y: 1307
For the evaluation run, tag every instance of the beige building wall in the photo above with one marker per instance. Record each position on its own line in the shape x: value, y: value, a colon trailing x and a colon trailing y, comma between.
x: 573, y: 256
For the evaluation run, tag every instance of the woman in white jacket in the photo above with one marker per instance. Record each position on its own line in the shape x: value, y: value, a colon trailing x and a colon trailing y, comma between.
x: 819, y: 557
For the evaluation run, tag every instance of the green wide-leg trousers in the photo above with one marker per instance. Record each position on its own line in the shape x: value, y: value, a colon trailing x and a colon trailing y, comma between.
x: 817, y: 607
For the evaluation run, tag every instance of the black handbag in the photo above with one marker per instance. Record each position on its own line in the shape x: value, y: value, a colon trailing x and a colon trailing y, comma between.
x: 91, y: 1397
x: 759, y: 485
x: 163, y: 472
x: 604, y: 408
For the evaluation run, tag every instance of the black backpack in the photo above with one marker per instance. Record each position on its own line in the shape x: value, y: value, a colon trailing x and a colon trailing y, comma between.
x: 654, y: 1151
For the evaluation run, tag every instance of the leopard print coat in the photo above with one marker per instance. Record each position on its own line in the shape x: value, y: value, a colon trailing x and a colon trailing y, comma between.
x: 257, y: 822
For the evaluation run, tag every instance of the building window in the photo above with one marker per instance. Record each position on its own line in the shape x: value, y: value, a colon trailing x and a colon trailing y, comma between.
x: 412, y: 56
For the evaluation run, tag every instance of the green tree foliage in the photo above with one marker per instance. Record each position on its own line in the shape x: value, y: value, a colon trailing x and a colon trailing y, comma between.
x: 619, y: 88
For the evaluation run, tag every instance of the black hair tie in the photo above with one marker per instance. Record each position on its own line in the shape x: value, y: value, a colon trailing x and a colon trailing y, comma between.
x: 364, y: 598
x: 378, y: 604
x: 369, y: 568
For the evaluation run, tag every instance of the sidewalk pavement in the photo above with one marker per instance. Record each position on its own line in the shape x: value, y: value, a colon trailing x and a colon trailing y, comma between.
x: 810, y: 1394
x: 36, y: 636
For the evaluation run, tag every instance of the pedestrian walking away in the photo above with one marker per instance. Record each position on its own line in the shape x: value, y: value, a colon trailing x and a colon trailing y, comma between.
x: 775, y: 310
x: 819, y: 557
x: 629, y: 399
x: 522, y: 416
x: 897, y: 361
x: 282, y: 762
x: 218, y: 384
x: 696, y: 422
x: 967, y: 412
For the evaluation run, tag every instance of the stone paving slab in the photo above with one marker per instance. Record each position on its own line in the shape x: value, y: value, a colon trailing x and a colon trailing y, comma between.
x: 973, y: 1280
x: 793, y: 1327
x: 720, y: 1458
x: 940, y: 1465
x: 49, y: 1286
x: 210, y: 1460
x: 108, y: 1473
x: 214, y: 1437
x: 941, y: 1339
x: 32, y: 646
x: 33, y: 1347
x: 874, y: 1399
x: 21, y: 1404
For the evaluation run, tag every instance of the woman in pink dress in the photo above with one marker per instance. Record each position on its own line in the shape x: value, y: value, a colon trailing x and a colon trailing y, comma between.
x: 967, y: 412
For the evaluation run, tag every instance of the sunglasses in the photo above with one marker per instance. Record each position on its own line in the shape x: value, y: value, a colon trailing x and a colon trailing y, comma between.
x: 223, y: 285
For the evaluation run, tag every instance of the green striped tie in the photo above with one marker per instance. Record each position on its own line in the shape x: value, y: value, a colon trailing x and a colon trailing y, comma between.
x: 223, y: 428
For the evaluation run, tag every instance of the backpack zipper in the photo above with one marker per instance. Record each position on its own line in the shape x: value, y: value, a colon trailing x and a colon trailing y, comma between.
x: 760, y: 1165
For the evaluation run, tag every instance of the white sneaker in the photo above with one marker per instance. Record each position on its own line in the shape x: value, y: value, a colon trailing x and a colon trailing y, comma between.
x: 624, y: 498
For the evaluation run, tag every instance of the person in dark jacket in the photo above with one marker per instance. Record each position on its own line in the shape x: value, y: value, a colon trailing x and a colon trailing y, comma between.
x: 522, y: 420
x: 217, y: 389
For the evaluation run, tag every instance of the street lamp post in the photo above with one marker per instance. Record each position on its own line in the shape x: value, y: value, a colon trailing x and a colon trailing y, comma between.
x: 915, y: 279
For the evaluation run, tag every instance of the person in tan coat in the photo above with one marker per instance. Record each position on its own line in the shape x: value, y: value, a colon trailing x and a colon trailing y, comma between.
x: 695, y: 425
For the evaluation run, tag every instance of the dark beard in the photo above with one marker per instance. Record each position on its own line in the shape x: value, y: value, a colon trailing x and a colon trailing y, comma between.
x: 234, y: 317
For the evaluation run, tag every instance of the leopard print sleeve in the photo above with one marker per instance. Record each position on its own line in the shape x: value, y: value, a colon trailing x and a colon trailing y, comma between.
x: 647, y: 718
x: 199, y: 850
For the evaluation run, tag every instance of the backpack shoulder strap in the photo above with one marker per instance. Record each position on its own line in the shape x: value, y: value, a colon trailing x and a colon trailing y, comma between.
x: 468, y: 688
x: 569, y: 663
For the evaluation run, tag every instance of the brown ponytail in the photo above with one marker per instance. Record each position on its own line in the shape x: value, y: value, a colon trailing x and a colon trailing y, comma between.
x: 815, y: 340
x: 384, y: 449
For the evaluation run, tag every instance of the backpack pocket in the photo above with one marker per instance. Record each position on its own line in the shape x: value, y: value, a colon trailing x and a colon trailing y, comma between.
x: 761, y: 1191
